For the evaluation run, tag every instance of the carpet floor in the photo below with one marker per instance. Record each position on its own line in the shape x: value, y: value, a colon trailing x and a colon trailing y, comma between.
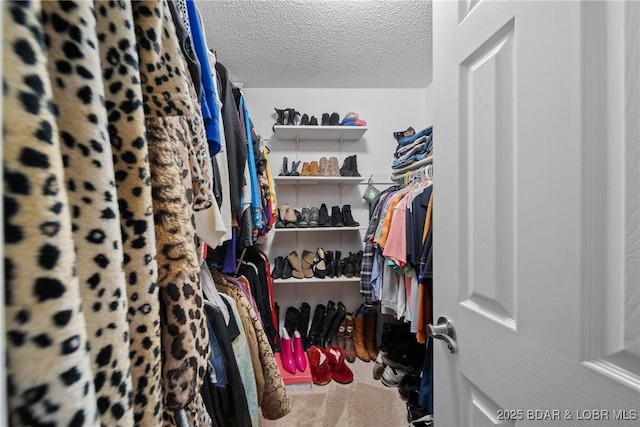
x: 363, y: 403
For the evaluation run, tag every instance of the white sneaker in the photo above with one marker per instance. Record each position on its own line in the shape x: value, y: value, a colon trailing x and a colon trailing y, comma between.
x: 391, y: 376
x: 426, y: 421
x: 379, y: 366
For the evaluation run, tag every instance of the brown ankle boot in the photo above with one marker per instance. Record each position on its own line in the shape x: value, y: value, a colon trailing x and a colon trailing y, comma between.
x: 295, y: 265
x: 305, y: 169
x: 307, y: 263
x: 370, y: 320
x: 349, y: 349
x: 314, y: 168
x: 358, y: 338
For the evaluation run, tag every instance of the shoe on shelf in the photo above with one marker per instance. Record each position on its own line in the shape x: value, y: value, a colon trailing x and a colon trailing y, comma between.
x: 345, y: 169
x: 305, y: 169
x: 313, y: 338
x: 279, y: 118
x: 304, y: 120
x: 285, y: 167
x: 338, y: 263
x: 347, y: 217
x: 324, y: 220
x: 294, y: 168
x: 286, y: 353
x: 334, y: 119
x: 278, y: 267
x: 320, y: 264
x: 288, y: 215
x: 324, y: 166
x: 313, y: 121
x: 314, y: 168
x: 391, y: 376
x: 314, y: 217
x: 308, y: 258
x: 325, y: 119
x: 304, y: 217
x: 319, y: 366
x: 292, y: 118
x: 287, y: 271
x: 340, y: 372
x: 353, y: 166
x: 331, y: 269
x: 336, y: 217
x: 334, y: 167
x: 295, y: 265
x: 279, y: 222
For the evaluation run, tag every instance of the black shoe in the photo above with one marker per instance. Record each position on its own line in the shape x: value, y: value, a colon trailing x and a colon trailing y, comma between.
x: 279, y: 119
x: 278, y: 268
x: 332, y: 310
x: 294, y: 169
x: 320, y: 264
x: 285, y: 167
x: 358, y: 263
x: 335, y: 324
x: 287, y: 271
x: 304, y: 121
x: 324, y: 220
x: 347, y: 218
x: 345, y: 170
x: 325, y: 119
x: 313, y: 121
x: 303, y: 320
x: 353, y: 166
x: 316, y: 326
x: 334, y: 120
x: 338, y: 263
x: 336, y: 217
x: 291, y: 320
x: 314, y: 217
x: 331, y: 267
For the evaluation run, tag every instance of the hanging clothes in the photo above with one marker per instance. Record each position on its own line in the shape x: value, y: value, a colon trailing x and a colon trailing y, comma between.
x: 91, y: 191
x: 127, y: 134
x: 48, y: 363
x: 171, y: 121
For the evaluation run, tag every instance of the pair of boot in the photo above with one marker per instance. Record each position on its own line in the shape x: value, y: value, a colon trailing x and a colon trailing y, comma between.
x: 308, y: 121
x: 364, y: 333
x: 327, y: 364
x: 325, y: 324
x: 294, y: 168
x: 352, y: 265
x: 342, y: 218
x: 292, y: 353
x: 350, y: 166
x: 330, y: 120
x: 329, y: 167
x: 294, y: 266
x: 287, y: 217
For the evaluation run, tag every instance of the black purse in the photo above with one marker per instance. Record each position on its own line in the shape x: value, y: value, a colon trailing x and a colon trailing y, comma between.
x: 401, y: 346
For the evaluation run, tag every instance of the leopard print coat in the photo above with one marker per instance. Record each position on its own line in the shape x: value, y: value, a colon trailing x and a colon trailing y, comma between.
x: 170, y: 117
x: 49, y: 375
x: 74, y: 67
x: 123, y: 100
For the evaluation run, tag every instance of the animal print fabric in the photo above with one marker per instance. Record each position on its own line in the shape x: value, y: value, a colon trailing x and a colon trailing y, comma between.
x: 168, y: 110
x: 74, y: 67
x: 49, y: 376
x: 274, y: 403
x: 123, y: 101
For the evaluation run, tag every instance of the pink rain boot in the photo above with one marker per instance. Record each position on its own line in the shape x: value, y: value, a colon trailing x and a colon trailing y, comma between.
x: 298, y: 352
x: 286, y: 356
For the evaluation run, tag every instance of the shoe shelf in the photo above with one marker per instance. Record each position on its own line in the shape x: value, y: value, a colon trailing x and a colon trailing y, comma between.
x: 318, y: 179
x: 319, y: 133
x: 316, y: 280
x: 302, y: 229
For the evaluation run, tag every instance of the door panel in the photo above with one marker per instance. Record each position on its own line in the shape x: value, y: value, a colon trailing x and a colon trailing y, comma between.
x: 537, y: 212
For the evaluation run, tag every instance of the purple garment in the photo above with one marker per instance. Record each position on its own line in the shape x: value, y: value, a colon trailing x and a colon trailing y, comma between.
x: 234, y: 282
x: 229, y: 266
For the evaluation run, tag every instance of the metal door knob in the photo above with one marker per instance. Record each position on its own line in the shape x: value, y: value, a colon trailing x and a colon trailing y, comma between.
x: 445, y: 331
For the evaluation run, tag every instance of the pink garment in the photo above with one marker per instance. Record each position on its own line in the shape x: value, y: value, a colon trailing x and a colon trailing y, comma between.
x: 243, y: 284
x: 396, y: 245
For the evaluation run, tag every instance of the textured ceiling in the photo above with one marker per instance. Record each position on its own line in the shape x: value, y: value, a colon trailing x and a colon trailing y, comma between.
x: 322, y: 43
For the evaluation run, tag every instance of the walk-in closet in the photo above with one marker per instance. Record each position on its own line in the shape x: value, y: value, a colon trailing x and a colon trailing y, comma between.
x: 224, y: 213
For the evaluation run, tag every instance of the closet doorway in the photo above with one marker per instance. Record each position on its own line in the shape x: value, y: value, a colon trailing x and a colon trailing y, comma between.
x: 537, y: 212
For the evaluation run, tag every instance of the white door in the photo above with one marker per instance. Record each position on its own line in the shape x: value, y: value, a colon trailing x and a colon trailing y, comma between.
x: 537, y: 212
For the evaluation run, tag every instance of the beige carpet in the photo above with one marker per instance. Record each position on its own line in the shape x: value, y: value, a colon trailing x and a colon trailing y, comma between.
x: 363, y: 403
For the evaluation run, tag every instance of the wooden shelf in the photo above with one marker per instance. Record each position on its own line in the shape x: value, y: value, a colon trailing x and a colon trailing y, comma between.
x: 319, y: 133
x: 342, y: 279
x: 354, y: 180
x: 298, y: 229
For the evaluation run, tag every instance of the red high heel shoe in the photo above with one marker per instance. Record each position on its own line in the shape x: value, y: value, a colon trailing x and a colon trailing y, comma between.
x: 298, y: 352
x: 286, y: 356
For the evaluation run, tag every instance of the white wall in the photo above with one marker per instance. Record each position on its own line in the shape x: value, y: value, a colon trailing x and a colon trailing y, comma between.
x: 386, y: 111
